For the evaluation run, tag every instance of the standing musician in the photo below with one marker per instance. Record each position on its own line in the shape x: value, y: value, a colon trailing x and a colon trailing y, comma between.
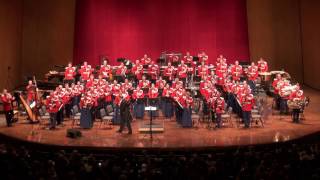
x: 187, y: 102
x: 296, y: 97
x: 53, y: 104
x: 138, y: 95
x: 145, y: 60
x: 66, y: 99
x: 247, y: 102
x: 169, y: 72
x: 168, y: 107
x: 121, y: 72
x: 221, y: 58
x: 203, y: 70
x: 153, y: 71
x: 105, y: 70
x: 69, y: 74
x: 144, y: 83
x: 236, y: 71
x: 219, y: 109
x: 285, y: 90
x: 86, y: 104
x: 31, y: 92
x: 7, y: 99
x: 252, y: 74
x: 174, y: 59
x: 107, y: 94
x: 153, y: 97
x: 182, y: 72
x: 188, y: 58
x: 137, y: 70
x: 125, y: 114
x: 85, y: 71
x: 203, y: 57
x: 262, y: 65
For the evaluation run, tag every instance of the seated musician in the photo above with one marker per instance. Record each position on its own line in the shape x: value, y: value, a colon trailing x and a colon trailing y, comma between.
x: 145, y: 60
x: 138, y: 95
x: 85, y: 71
x: 252, y: 75
x: 262, y: 65
x: 188, y: 58
x: 69, y: 74
x: 236, y: 71
x: 219, y: 109
x: 182, y: 72
x: 169, y: 73
x: 105, y: 70
x: 247, y: 103
x: 296, y: 97
x: 7, y: 99
x: 153, y: 71
x: 203, y: 70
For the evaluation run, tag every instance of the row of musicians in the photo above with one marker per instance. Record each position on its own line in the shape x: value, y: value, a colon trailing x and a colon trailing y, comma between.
x: 284, y: 92
x: 221, y: 69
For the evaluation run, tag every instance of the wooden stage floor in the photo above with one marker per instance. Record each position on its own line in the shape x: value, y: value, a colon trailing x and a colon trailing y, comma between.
x: 275, y: 130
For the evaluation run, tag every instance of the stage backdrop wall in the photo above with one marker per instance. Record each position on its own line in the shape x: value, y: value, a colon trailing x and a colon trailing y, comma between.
x: 126, y: 28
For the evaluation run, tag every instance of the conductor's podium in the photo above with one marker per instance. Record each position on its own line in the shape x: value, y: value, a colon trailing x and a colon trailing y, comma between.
x: 154, y: 125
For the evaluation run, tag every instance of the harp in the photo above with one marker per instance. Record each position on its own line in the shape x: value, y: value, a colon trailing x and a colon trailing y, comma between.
x: 32, y: 116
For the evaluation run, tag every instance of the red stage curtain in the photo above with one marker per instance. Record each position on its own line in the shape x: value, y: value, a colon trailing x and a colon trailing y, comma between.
x: 131, y: 28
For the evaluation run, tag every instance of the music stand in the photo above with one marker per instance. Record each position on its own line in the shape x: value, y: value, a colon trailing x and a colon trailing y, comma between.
x: 150, y: 109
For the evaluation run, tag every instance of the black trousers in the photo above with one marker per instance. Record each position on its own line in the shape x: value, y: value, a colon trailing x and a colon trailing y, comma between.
x: 295, y: 115
x: 9, y: 117
x: 124, y: 122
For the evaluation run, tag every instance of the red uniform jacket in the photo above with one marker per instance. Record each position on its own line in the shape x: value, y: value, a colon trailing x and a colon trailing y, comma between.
x: 144, y: 84
x: 105, y: 71
x: 247, y: 102
x: 69, y: 73
x: 85, y: 72
x: 153, y: 71
x: 7, y: 100
x: 182, y: 71
x: 153, y: 93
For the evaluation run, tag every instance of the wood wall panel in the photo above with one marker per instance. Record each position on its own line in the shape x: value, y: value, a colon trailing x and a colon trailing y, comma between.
x: 10, y: 41
x: 48, y: 30
x: 274, y: 33
x: 310, y: 21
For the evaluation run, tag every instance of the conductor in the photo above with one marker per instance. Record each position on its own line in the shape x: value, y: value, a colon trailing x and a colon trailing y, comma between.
x: 125, y: 114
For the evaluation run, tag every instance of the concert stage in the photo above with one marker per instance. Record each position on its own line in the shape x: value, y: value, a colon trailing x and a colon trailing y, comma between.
x: 277, y: 129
